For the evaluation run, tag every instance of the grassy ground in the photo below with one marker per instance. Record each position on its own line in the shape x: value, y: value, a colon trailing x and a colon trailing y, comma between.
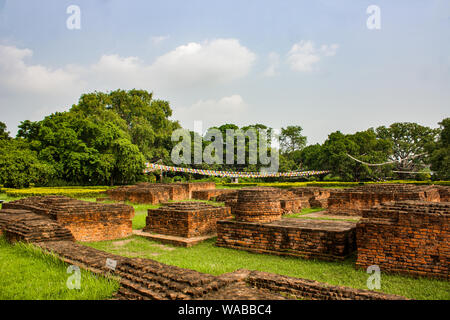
x: 29, y: 274
x: 206, y: 257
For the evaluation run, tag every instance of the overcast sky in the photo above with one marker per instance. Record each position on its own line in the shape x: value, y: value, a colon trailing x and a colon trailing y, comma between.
x: 310, y: 63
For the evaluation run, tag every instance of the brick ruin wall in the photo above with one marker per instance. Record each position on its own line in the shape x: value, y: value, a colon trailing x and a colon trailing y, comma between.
x: 353, y: 201
x: 321, y: 239
x: 145, y: 279
x: 292, y: 200
x: 155, y: 193
x: 24, y: 225
x: 258, y: 205
x: 210, y: 194
x: 87, y: 221
x: 186, y: 219
x: 408, y: 237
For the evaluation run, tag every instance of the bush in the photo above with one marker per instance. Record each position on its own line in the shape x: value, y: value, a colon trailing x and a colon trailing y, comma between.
x: 74, y: 192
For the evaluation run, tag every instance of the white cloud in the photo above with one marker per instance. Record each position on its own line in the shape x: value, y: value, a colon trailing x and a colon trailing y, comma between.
x: 212, y: 111
x: 158, y: 39
x: 204, y: 63
x: 304, y: 55
x: 37, y: 90
x: 16, y: 76
x: 274, y: 61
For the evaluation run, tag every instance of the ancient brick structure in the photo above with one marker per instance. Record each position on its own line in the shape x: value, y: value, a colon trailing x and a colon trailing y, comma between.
x: 444, y: 193
x: 87, y: 221
x: 317, y: 197
x: 155, y: 193
x: 24, y: 225
x: 409, y: 237
x: 186, y: 219
x: 353, y: 200
x: 258, y: 205
x: 144, y: 279
x: 312, y: 290
x: 306, y: 238
x: 209, y: 194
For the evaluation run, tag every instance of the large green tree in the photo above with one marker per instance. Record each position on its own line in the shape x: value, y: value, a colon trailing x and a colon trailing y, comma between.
x: 440, y: 152
x: 409, y: 144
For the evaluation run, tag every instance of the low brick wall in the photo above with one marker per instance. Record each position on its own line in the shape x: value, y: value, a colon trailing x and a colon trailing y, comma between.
x: 406, y: 237
x: 317, y: 197
x: 444, y: 193
x: 87, y: 221
x: 24, y: 225
x: 353, y: 201
x: 312, y: 290
x: 210, y: 193
x: 186, y: 219
x: 306, y: 238
x: 155, y: 193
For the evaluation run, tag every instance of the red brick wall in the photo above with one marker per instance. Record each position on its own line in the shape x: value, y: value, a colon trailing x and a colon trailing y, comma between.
x: 327, y: 240
x: 353, y: 200
x: 186, y: 219
x: 406, y: 237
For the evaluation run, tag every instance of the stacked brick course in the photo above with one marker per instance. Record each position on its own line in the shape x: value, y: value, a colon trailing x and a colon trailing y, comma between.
x: 145, y: 279
x: 186, y: 219
x: 210, y: 193
x: 408, y: 237
x: 317, y: 197
x: 353, y: 200
x: 155, y: 193
x: 306, y: 238
x: 258, y: 205
x: 87, y: 221
x: 24, y: 225
x: 444, y: 193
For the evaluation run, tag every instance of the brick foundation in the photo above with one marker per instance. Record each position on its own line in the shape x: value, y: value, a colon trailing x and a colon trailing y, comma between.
x: 306, y: 238
x: 210, y: 194
x: 186, y: 219
x: 406, y: 237
x: 353, y: 201
x: 258, y: 205
x: 87, y: 221
x: 155, y: 193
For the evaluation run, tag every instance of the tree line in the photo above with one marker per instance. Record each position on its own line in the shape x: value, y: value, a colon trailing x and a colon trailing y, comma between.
x: 107, y: 137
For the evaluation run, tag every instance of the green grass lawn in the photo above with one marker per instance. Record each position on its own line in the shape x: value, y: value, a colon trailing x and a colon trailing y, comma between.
x: 206, y: 257
x: 26, y: 273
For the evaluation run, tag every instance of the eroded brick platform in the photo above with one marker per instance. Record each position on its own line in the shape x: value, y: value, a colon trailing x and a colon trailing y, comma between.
x: 408, y: 237
x: 24, y: 225
x: 306, y: 238
x: 155, y: 193
x: 210, y: 193
x: 145, y: 279
x: 87, y: 221
x: 352, y: 201
x: 317, y: 197
x: 186, y: 219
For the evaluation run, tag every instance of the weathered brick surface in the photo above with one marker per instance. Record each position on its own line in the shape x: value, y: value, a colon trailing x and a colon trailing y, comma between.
x: 210, y: 193
x: 87, y: 221
x: 312, y: 290
x: 306, y: 238
x: 24, y: 225
x: 444, y: 193
x: 258, y: 204
x: 353, y: 200
x: 155, y: 193
x: 145, y: 279
x: 318, y: 197
x: 408, y: 237
x: 186, y: 219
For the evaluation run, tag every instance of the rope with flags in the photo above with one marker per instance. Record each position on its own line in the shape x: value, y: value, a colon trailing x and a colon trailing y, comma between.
x: 233, y: 174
